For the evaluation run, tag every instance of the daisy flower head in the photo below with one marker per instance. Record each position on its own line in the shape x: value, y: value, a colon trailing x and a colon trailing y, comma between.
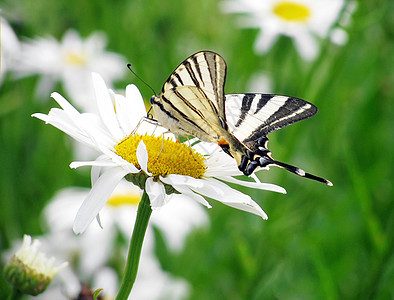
x: 71, y: 62
x: 302, y: 20
x: 161, y: 166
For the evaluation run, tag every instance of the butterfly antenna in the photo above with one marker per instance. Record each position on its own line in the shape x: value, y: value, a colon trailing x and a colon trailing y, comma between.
x: 300, y: 172
x: 143, y: 81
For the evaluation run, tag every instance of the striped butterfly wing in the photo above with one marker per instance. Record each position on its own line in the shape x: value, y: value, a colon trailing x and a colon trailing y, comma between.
x: 192, y: 99
x: 205, y: 70
x: 197, y: 115
x: 251, y: 117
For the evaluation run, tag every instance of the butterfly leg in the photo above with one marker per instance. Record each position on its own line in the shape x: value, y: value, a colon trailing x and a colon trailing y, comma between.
x: 143, y: 124
x: 162, y: 147
x: 190, y: 147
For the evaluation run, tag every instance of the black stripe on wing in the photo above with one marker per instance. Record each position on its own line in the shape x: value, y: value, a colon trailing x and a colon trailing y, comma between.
x: 256, y: 115
x: 293, y: 110
x: 185, y: 118
x: 205, y: 70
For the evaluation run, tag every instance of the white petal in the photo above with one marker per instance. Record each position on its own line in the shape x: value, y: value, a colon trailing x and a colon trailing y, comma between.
x: 142, y: 157
x: 67, y: 107
x: 182, y: 184
x: 96, y: 163
x: 135, y: 105
x: 265, y: 40
x: 339, y: 36
x: 156, y: 192
x: 306, y: 45
x: 254, y: 185
x: 221, y: 192
x: 175, y: 179
x: 106, y: 106
x: 97, y: 197
x: 96, y: 170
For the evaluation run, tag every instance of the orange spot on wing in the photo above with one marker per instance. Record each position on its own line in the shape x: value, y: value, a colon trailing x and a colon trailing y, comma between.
x: 222, y: 142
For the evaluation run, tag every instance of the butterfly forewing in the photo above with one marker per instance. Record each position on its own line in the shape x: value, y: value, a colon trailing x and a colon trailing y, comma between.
x: 197, y: 113
x: 207, y: 71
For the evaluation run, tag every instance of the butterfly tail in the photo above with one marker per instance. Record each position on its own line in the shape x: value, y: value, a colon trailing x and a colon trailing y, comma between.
x: 300, y: 172
x: 264, y: 161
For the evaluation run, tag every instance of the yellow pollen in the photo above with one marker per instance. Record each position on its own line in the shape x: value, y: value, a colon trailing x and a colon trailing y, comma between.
x: 292, y: 11
x: 165, y: 156
x: 125, y: 199
x: 75, y: 58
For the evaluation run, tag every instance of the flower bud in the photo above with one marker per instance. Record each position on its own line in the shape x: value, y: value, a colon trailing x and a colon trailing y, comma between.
x: 30, y: 271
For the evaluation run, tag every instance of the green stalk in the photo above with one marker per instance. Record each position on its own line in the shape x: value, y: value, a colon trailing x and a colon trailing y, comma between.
x: 14, y: 295
x: 141, y: 223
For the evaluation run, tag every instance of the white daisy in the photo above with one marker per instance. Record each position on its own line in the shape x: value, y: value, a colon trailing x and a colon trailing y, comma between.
x: 260, y: 82
x: 71, y: 62
x: 160, y: 166
x: 301, y: 20
x: 10, y: 48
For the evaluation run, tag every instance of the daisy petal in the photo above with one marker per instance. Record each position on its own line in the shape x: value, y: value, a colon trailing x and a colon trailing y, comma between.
x: 156, y: 192
x: 221, y: 192
x: 142, y: 157
x: 106, y: 106
x: 182, y: 184
x: 97, y: 197
x: 254, y: 185
x: 77, y: 164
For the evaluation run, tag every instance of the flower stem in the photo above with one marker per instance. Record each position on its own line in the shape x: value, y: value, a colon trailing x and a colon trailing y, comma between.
x: 141, y: 223
x: 14, y: 295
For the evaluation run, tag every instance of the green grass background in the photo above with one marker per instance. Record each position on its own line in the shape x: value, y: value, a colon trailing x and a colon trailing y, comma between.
x: 319, y: 242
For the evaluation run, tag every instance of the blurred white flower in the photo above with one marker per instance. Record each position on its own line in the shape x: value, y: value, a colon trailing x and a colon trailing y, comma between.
x: 97, y: 246
x: 301, y: 20
x: 10, y: 48
x: 169, y: 165
x: 71, y: 62
x: 260, y: 83
x: 152, y: 282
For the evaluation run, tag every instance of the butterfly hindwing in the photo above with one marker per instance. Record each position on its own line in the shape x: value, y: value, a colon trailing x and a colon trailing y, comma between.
x: 252, y: 116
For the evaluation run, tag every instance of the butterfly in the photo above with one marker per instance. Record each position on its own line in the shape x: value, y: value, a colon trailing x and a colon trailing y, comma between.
x: 192, y: 102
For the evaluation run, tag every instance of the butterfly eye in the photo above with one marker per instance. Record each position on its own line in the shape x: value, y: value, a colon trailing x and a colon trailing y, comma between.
x: 152, y: 99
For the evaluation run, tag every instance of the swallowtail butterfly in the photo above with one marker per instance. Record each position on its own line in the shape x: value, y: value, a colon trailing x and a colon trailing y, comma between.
x: 192, y: 102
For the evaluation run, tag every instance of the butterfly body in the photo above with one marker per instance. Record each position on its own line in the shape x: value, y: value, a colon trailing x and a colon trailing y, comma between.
x: 192, y: 102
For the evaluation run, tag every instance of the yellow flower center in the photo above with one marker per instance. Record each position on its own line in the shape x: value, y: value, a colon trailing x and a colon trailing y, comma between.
x: 292, y: 11
x: 75, y: 58
x: 164, y: 156
x: 125, y: 199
